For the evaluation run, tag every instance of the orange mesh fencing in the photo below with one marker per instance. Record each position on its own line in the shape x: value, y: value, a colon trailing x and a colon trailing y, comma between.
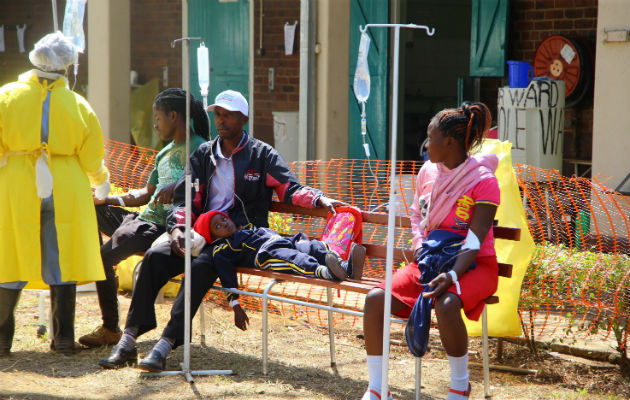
x: 576, y: 286
x: 129, y: 166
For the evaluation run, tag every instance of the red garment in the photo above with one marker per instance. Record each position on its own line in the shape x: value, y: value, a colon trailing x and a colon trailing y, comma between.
x: 476, y: 285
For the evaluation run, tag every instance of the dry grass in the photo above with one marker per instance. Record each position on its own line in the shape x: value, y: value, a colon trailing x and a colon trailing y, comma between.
x: 299, y: 365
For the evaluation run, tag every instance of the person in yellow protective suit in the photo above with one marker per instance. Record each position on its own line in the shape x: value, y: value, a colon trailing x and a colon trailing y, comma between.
x: 51, y: 152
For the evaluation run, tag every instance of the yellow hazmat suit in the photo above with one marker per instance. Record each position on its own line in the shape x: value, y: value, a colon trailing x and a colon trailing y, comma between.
x: 75, y: 149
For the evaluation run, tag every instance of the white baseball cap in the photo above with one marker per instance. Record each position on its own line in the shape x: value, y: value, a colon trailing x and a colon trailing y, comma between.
x: 231, y: 100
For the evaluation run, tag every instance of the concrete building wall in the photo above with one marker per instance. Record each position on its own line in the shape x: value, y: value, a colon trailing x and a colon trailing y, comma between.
x: 611, y: 114
x: 285, y: 94
x: 154, y: 24
x: 532, y: 22
x: 109, y: 88
x: 333, y: 42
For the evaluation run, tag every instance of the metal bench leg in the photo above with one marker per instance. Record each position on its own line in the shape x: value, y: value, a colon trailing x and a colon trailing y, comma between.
x: 43, y: 313
x: 331, y: 327
x: 486, y: 361
x: 418, y: 377
x: 202, y: 323
x: 265, y: 301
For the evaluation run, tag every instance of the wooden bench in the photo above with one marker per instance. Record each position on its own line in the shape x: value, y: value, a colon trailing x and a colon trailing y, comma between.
x: 374, y: 251
x: 130, y: 167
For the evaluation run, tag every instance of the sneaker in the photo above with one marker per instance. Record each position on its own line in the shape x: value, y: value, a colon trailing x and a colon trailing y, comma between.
x: 336, y: 266
x: 101, y: 336
x: 356, y: 260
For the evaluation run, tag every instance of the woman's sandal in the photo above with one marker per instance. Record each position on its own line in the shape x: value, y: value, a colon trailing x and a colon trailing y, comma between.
x: 461, y: 392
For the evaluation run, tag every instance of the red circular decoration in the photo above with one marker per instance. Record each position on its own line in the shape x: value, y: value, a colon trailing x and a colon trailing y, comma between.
x: 558, y: 57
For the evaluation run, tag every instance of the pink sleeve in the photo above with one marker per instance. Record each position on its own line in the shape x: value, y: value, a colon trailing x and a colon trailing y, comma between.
x: 487, y: 192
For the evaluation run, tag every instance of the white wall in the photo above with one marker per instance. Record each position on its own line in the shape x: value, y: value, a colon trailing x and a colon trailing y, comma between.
x: 611, y: 111
x: 109, y: 63
x: 333, y: 42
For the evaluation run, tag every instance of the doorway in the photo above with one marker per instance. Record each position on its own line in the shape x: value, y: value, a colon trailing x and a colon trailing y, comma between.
x: 224, y: 25
x: 431, y: 66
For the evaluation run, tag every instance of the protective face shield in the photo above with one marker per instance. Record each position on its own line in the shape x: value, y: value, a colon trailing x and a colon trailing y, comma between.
x: 53, y: 52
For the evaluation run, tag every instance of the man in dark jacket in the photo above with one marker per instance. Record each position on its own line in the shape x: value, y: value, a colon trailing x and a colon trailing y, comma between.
x: 237, y: 174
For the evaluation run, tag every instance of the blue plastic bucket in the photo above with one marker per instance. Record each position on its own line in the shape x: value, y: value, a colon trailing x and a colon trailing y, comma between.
x: 520, y: 73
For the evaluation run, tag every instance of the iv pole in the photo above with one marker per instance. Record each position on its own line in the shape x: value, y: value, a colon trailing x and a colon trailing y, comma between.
x: 393, y: 196
x: 185, y: 366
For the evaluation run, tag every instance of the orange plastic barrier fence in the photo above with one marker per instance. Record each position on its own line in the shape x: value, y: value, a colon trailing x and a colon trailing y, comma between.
x: 129, y: 166
x: 577, y: 282
x: 576, y: 286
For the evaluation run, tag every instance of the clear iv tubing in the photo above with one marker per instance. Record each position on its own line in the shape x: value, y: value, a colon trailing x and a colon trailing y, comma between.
x: 366, y: 146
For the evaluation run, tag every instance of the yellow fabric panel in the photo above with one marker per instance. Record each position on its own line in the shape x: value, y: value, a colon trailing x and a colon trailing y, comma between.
x: 125, y: 269
x: 76, y: 147
x: 142, y: 115
x: 503, y: 317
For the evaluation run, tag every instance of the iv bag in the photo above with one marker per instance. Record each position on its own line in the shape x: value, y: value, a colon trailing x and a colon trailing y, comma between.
x: 203, y: 69
x: 362, y: 73
x: 73, y: 23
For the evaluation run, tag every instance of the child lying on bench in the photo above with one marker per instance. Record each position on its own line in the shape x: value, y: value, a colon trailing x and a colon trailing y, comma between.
x: 265, y: 248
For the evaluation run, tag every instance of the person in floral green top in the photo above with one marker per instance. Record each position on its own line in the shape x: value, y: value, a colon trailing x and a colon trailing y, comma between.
x: 131, y: 232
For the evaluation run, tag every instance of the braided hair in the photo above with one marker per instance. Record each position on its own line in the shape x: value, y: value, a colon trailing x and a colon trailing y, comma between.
x: 174, y: 99
x: 468, y: 124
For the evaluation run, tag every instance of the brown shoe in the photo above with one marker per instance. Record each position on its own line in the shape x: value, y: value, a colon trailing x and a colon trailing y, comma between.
x: 101, y: 336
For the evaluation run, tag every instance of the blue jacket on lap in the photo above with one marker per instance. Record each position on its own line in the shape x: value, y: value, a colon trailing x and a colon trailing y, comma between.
x: 438, y: 255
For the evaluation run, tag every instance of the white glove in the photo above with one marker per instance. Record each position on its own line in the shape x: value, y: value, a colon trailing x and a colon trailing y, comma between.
x: 101, y: 191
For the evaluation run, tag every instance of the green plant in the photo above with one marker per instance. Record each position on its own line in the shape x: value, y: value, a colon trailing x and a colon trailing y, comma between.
x: 589, y: 289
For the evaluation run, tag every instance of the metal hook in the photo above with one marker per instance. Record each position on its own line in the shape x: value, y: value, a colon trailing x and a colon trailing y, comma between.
x: 430, y: 31
x: 174, y: 42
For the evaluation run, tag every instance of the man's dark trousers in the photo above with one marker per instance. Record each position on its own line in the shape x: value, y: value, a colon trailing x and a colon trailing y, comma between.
x: 158, y: 266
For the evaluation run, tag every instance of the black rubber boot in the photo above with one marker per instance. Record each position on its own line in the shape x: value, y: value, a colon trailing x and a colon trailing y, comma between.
x: 8, y: 301
x: 62, y: 301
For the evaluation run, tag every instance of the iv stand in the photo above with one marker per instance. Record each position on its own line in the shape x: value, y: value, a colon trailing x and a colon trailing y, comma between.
x: 393, y: 195
x: 185, y: 366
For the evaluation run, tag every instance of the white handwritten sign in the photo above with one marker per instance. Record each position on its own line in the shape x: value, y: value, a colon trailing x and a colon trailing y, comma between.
x: 532, y: 118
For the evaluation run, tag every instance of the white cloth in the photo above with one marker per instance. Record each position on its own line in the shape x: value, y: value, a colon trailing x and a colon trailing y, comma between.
x: 198, y: 243
x: 20, y: 36
x: 2, y: 48
x: 43, y: 177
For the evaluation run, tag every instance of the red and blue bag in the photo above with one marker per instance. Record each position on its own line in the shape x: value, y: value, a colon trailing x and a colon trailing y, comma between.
x: 342, y: 229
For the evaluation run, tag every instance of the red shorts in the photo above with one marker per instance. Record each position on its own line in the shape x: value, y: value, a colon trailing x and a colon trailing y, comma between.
x: 476, y: 285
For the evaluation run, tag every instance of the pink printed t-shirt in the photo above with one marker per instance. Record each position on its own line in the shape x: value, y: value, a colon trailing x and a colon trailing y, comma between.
x: 458, y: 219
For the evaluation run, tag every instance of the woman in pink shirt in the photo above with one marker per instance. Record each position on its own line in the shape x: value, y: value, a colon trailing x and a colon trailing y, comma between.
x: 458, y: 192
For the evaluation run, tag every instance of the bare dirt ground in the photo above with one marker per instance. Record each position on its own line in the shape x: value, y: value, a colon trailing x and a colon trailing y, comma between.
x: 299, y: 365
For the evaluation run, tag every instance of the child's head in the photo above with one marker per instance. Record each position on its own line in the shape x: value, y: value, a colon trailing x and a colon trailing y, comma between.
x: 221, y: 226
x: 214, y: 225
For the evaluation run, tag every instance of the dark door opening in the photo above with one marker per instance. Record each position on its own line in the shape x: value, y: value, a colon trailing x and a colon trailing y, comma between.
x: 431, y: 65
